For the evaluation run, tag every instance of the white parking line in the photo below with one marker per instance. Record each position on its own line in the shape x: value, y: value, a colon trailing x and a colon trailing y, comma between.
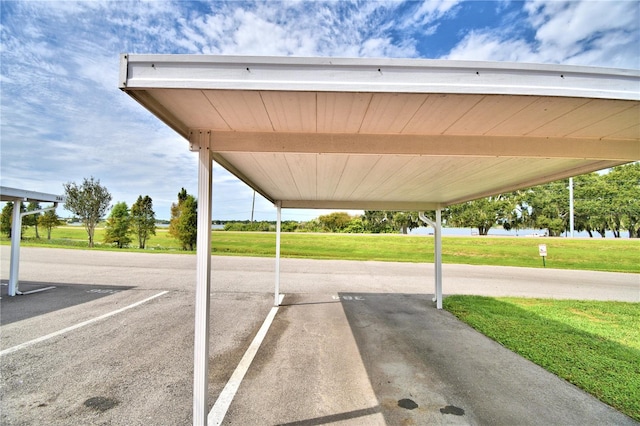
x: 74, y: 327
x: 219, y: 409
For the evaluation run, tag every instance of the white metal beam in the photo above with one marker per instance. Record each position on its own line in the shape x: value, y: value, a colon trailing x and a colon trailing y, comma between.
x: 203, y: 285
x: 432, y: 145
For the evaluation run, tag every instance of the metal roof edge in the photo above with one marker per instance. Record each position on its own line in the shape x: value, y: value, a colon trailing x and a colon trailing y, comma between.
x: 375, y: 75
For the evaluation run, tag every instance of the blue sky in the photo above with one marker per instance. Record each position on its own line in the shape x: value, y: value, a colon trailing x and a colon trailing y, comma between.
x: 63, y: 118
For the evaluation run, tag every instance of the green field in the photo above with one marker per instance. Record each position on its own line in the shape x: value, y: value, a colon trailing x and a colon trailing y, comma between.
x: 617, y: 255
x: 594, y: 345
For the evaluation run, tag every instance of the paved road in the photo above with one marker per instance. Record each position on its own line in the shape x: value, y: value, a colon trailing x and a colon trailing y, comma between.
x: 353, y: 342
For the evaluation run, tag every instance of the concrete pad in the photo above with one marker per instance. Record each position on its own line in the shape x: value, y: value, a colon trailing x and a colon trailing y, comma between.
x: 308, y: 371
x: 355, y: 343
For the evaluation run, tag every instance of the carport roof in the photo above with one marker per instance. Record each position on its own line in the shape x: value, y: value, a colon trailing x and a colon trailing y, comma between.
x: 14, y: 194
x: 389, y: 133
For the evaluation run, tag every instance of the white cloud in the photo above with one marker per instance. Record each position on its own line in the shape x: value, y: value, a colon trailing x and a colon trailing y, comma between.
x: 63, y: 117
x: 596, y: 33
x: 488, y: 46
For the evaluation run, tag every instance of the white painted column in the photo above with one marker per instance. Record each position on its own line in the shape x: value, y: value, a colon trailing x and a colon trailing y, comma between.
x: 438, y: 258
x: 278, y: 228
x: 203, y: 287
x: 571, y: 220
x: 14, y: 267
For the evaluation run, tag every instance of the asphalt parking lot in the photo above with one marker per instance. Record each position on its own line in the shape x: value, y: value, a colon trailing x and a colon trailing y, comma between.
x: 352, y: 343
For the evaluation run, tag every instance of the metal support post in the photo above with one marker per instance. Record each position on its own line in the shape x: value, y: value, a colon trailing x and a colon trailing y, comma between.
x: 571, y: 219
x: 438, y: 258
x: 278, y: 229
x: 437, y: 255
x: 14, y: 267
x: 203, y: 287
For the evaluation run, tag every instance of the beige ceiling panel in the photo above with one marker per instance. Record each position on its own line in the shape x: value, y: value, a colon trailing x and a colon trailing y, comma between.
x: 499, y: 177
x: 418, y: 180
x: 438, y: 112
x: 330, y: 168
x: 390, y: 112
x: 594, y: 111
x: 540, y: 113
x: 613, y: 124
x: 488, y: 113
x: 303, y: 168
x: 241, y: 110
x: 275, y: 165
x: 341, y: 112
x: 291, y: 111
x: 192, y: 107
x: 439, y: 174
x: 357, y: 169
x: 632, y: 132
x: 252, y: 169
x: 386, y: 172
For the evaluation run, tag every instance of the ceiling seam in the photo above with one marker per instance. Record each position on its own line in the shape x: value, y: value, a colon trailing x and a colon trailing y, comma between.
x: 293, y: 179
x: 535, y: 99
x: 344, y: 167
x: 216, y: 109
x: 384, y: 182
x: 371, y: 95
x: 365, y: 176
x: 463, y: 114
x: 266, y: 110
x: 414, y: 114
x: 606, y: 118
x: 558, y: 117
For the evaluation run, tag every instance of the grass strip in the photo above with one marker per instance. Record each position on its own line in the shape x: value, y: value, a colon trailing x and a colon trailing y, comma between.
x: 613, y: 255
x: 594, y: 345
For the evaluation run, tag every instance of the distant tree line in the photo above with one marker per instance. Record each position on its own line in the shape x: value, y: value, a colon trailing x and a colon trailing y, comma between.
x: 602, y: 202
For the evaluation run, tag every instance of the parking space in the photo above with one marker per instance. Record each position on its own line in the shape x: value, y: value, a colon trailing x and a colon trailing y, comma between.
x: 353, y: 342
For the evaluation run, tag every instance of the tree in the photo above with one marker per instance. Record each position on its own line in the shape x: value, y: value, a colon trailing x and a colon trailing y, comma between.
x: 89, y: 201
x: 377, y: 222
x: 405, y: 221
x: 48, y: 221
x: 335, y: 222
x: 118, y: 226
x: 625, y: 197
x: 6, y: 219
x: 32, y: 219
x: 184, y: 220
x: 589, y: 205
x: 549, y: 205
x: 482, y: 214
x: 143, y: 219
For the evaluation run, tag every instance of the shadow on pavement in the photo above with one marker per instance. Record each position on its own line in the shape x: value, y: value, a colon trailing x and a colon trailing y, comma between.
x: 62, y: 296
x: 335, y: 417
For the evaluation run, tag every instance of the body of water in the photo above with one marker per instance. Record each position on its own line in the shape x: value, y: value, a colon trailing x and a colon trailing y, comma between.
x: 502, y: 232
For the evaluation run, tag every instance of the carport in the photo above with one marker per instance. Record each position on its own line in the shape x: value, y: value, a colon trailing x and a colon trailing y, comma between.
x: 18, y: 196
x: 380, y: 134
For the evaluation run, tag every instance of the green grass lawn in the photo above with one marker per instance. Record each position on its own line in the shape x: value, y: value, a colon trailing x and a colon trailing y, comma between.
x: 594, y: 345
x: 619, y: 255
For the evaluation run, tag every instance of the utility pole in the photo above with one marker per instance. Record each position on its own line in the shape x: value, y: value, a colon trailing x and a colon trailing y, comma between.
x: 253, y: 204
